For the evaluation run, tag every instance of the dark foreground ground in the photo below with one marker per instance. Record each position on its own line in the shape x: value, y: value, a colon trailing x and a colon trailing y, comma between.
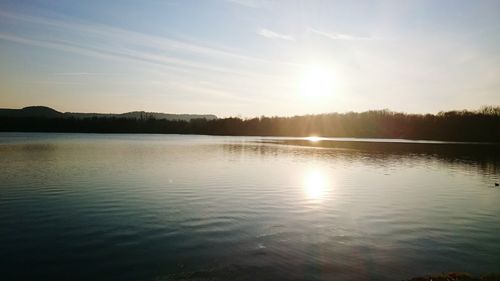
x: 458, y: 276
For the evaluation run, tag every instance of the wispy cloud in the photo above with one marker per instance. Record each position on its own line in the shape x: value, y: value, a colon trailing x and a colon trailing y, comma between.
x: 337, y: 35
x: 85, y: 74
x: 119, y: 44
x: 166, y: 58
x: 250, y: 3
x: 274, y: 35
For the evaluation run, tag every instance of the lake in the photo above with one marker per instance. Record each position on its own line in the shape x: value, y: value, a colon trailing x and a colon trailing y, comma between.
x: 179, y: 207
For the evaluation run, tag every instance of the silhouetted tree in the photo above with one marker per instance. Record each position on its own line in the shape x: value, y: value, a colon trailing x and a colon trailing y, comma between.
x: 481, y: 125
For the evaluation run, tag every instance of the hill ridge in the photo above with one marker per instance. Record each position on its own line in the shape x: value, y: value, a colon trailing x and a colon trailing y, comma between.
x: 48, y: 112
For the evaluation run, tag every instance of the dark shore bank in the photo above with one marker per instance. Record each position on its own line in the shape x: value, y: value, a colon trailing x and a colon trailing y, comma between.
x: 481, y: 125
x: 457, y: 276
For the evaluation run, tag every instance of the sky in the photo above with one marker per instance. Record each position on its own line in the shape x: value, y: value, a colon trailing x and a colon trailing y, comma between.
x: 249, y: 58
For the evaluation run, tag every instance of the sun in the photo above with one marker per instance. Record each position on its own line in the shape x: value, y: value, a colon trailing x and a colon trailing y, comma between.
x: 316, y: 82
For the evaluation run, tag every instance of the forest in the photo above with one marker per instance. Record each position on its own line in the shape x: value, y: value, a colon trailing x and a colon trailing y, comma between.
x: 481, y: 125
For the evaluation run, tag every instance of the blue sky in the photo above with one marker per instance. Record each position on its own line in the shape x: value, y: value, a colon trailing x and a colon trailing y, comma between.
x: 250, y: 57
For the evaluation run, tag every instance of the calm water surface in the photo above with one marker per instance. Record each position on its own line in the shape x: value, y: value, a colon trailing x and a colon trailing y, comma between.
x: 167, y: 207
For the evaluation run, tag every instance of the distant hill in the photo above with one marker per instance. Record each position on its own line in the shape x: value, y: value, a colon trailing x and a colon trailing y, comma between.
x: 31, y: 111
x: 47, y: 112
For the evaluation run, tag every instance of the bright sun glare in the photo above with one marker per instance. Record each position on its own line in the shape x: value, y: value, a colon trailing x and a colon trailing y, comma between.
x: 315, y: 185
x: 314, y: 138
x: 316, y: 82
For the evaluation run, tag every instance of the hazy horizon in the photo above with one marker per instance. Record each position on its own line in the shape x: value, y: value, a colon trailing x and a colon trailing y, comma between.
x: 251, y: 116
x: 250, y: 58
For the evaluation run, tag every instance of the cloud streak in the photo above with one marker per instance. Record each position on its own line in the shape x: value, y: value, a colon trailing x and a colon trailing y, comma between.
x: 85, y: 74
x: 156, y: 57
x: 119, y: 44
x: 337, y: 36
x: 274, y: 35
x: 248, y: 3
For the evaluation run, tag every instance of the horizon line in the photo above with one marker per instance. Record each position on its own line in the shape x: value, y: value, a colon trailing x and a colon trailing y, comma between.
x: 270, y: 116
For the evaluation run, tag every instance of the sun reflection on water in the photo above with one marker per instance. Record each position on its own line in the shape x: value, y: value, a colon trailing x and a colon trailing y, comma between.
x: 316, y: 185
x: 314, y: 138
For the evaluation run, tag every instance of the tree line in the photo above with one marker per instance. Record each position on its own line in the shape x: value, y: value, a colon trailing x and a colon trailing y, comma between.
x: 479, y: 125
